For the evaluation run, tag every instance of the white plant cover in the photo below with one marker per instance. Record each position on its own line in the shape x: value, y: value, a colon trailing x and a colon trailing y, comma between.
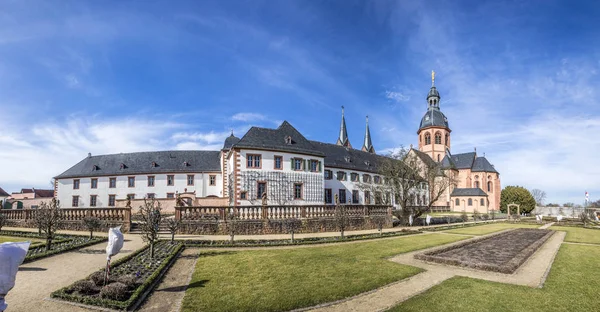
x: 410, y: 220
x: 596, y: 216
x: 115, y: 242
x: 428, y: 219
x: 11, y: 256
x: 558, y: 218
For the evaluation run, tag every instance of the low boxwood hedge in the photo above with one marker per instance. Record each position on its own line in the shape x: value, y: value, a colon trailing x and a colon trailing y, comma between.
x: 141, y: 291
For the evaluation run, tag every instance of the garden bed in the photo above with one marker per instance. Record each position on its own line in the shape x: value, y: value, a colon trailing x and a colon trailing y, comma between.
x: 61, y: 243
x: 131, y: 279
x: 503, y: 252
x: 300, y: 241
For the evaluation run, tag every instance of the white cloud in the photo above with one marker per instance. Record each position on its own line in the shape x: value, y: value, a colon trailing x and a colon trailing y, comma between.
x: 248, y: 117
x: 396, y: 96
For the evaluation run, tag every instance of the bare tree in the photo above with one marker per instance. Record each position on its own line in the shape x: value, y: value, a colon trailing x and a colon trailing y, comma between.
x: 539, y: 196
x: 379, y: 221
x: 48, y: 216
x: 3, y: 220
x: 91, y: 224
x: 292, y: 225
x: 173, y: 225
x: 341, y: 219
x: 232, y: 220
x: 150, y: 215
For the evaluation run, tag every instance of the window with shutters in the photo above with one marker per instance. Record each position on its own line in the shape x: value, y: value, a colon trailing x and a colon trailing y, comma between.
x: 111, y: 200
x: 94, y: 183
x: 366, y: 178
x: 278, y: 162
x: 341, y: 176
x: 377, y: 179
x: 354, y: 177
x: 328, y: 174
x: 260, y: 189
x: 314, y: 166
x: 297, y: 190
x: 328, y: 196
x: 253, y: 161
x: 297, y: 164
x: 93, y: 200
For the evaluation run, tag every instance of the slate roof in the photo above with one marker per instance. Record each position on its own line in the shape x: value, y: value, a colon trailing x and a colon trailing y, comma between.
x: 275, y: 139
x: 230, y: 141
x: 433, y: 92
x: 468, y: 192
x: 434, y: 118
x: 141, y: 163
x: 424, y: 157
x: 448, y: 163
x: 337, y: 156
x: 482, y: 164
x: 3, y: 192
x: 464, y: 160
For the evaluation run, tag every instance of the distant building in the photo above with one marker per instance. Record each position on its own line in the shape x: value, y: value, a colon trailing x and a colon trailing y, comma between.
x: 3, y: 196
x: 29, y: 198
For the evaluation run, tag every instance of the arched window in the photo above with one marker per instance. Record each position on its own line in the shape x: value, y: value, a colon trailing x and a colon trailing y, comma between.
x: 427, y: 138
x: 438, y: 138
x: 481, y: 203
x: 470, y: 202
x: 424, y: 202
x: 490, y: 186
x: 446, y: 140
x: 457, y: 202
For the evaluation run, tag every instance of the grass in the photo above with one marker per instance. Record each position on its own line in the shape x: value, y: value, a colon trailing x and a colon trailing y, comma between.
x: 4, y: 239
x: 490, y: 228
x: 286, y: 279
x: 579, y: 234
x: 570, y: 286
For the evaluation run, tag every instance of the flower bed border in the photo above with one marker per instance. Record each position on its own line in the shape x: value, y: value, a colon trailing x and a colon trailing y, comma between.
x: 138, y: 295
x: 299, y: 241
x: 460, y: 226
x: 52, y: 252
x: 508, y: 268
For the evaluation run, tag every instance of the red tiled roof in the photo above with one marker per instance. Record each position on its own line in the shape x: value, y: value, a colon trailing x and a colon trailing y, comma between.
x: 44, y: 193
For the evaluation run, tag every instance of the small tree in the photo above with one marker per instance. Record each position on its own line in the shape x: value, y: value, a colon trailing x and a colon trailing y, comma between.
x: 173, y: 225
x: 292, y: 226
x: 3, y: 220
x: 464, y: 217
x: 379, y: 221
x: 539, y: 196
x: 150, y: 215
x: 493, y: 214
x: 92, y: 224
x: 476, y: 216
x: 585, y: 218
x: 341, y: 219
x: 232, y: 220
x: 48, y: 216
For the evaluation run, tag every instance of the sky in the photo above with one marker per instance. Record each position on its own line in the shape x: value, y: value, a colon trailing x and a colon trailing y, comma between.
x: 518, y: 80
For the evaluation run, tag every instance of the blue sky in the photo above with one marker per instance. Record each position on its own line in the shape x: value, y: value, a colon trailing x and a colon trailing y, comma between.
x: 518, y: 79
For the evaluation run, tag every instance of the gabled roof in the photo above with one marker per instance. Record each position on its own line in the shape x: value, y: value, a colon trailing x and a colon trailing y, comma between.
x: 43, y: 193
x: 3, y: 192
x: 275, y: 139
x: 448, y: 163
x: 26, y: 191
x: 424, y: 157
x: 142, y: 163
x: 337, y: 156
x: 464, y: 160
x: 482, y: 164
x: 468, y: 192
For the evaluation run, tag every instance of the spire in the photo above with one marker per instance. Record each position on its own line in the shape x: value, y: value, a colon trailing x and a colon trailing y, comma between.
x: 367, y: 145
x: 343, y: 138
x: 432, y: 78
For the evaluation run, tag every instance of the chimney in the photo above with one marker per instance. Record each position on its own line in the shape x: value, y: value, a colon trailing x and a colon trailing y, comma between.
x: 89, y: 155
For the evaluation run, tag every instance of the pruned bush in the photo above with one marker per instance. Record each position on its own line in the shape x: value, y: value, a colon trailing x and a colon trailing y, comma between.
x: 129, y: 280
x: 85, y: 287
x: 464, y: 217
x: 92, y: 224
x: 485, y: 216
x: 98, y: 278
x: 3, y: 220
x: 114, y: 291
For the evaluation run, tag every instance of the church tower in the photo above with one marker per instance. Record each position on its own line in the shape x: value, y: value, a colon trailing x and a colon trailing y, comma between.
x: 434, y: 132
x: 343, y: 138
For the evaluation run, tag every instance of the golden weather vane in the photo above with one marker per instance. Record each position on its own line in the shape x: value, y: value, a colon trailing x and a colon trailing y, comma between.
x: 432, y: 78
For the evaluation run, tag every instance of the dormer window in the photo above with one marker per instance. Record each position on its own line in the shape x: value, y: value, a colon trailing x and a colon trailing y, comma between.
x: 288, y: 140
x: 367, y: 163
x: 154, y: 164
x: 95, y: 168
x: 347, y: 158
x: 122, y: 166
x: 186, y: 164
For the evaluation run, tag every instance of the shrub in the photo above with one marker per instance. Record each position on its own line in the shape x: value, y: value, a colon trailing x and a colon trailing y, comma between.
x: 485, y: 216
x: 98, y: 278
x: 2, y: 221
x: 114, y: 291
x: 85, y: 287
x: 128, y: 280
x: 476, y: 215
x: 464, y: 217
x: 91, y: 224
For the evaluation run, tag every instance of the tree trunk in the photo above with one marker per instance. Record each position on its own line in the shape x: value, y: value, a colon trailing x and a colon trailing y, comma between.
x: 292, y: 237
x: 380, y: 231
x: 231, y: 238
x: 48, y: 243
x: 91, y: 234
x: 172, y: 237
x: 152, y: 250
x: 342, y: 233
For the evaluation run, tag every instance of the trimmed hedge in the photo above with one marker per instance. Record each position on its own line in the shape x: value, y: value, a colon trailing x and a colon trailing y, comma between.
x: 137, y: 296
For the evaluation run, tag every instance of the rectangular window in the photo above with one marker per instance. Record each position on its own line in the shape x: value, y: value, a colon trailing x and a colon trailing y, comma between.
x: 243, y: 195
x: 366, y: 178
x: 75, y: 185
x: 150, y: 180
x: 75, y: 202
x: 190, y: 179
x: 367, y: 198
x: 328, y: 196
x: 342, y: 196
x: 377, y: 198
x: 150, y: 195
x: 111, y: 200
x: 260, y: 189
x: 112, y: 182
x: 355, y: 196
x: 93, y: 200
x: 131, y: 181
x: 297, y: 190
x: 341, y: 176
x: 94, y: 183
x: 212, y: 179
x: 298, y: 163
x: 253, y: 161
x: 354, y: 177
x: 130, y: 196
x: 314, y: 165
x: 170, y: 180
x: 377, y: 179
x: 278, y: 162
x: 328, y: 174
x: 170, y: 195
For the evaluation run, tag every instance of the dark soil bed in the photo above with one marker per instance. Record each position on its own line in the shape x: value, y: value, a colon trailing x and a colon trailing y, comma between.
x: 503, y: 252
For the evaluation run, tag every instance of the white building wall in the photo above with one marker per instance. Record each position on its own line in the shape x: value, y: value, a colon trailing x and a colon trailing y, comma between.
x: 65, y: 191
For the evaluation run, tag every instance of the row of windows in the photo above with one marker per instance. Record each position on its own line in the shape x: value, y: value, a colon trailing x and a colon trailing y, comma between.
x: 112, y: 182
x: 254, y: 161
x: 380, y: 198
x: 438, y: 139
x: 261, y: 188
x: 112, y: 199
x: 354, y: 177
x: 470, y: 202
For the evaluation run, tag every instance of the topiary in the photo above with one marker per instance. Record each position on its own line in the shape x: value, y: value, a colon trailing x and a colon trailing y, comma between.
x: 114, y: 291
x: 129, y: 280
x: 85, y: 287
x: 98, y: 278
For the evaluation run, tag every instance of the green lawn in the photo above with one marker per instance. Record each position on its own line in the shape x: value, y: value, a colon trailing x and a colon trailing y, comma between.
x: 286, y: 279
x: 4, y: 239
x: 490, y: 228
x: 571, y: 286
x: 579, y: 234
